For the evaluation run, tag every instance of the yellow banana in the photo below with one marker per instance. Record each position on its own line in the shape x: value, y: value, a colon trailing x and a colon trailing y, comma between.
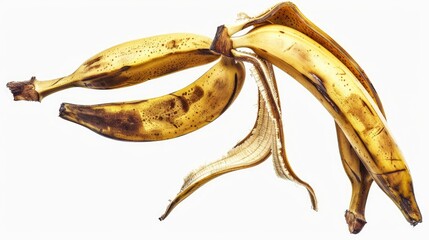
x: 287, y: 14
x: 168, y: 116
x: 126, y: 64
x: 340, y: 92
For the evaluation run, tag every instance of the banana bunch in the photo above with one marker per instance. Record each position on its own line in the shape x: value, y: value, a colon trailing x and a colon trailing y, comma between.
x: 281, y: 36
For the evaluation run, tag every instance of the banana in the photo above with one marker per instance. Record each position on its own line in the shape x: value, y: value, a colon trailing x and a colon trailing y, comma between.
x: 287, y: 14
x: 168, y: 116
x: 126, y: 64
x: 345, y: 98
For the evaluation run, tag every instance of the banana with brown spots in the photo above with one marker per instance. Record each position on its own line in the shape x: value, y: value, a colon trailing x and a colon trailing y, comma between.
x: 126, y: 64
x: 167, y: 116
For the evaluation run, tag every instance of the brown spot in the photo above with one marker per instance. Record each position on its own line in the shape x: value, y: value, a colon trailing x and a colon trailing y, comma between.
x: 396, y: 187
x: 405, y: 204
x: 173, y: 44
x: 93, y: 67
x: 171, y: 103
x: 124, y: 68
x: 158, y: 135
x: 183, y: 103
x: 125, y: 123
x: 318, y: 83
x: 365, y: 105
x: 205, y: 51
x: 121, y: 125
x: 92, y: 61
x: 196, y: 95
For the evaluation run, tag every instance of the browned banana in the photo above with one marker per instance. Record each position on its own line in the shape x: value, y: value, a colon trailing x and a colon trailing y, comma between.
x: 126, y: 64
x: 168, y: 116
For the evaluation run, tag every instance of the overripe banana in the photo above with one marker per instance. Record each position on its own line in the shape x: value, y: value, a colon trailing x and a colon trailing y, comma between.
x: 168, y: 116
x: 339, y: 91
x: 126, y: 64
x: 287, y: 14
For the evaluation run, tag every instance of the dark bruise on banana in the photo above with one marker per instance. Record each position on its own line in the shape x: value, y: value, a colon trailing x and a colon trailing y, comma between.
x: 280, y: 36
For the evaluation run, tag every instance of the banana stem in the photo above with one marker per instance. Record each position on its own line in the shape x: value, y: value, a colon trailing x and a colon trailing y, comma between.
x: 34, y: 90
x: 222, y: 43
x: 355, y: 216
x: 24, y: 90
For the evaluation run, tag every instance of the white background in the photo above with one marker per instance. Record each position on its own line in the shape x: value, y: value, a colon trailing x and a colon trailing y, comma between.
x: 59, y: 180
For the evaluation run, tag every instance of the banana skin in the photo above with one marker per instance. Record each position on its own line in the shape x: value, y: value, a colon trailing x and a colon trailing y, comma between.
x: 339, y: 91
x: 125, y: 65
x: 167, y: 116
x: 254, y: 149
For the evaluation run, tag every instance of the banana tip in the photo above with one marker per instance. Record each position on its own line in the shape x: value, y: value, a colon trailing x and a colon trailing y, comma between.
x: 355, y: 223
x: 414, y: 222
x: 165, y: 215
x: 24, y: 90
x: 64, y: 111
x: 62, y: 108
